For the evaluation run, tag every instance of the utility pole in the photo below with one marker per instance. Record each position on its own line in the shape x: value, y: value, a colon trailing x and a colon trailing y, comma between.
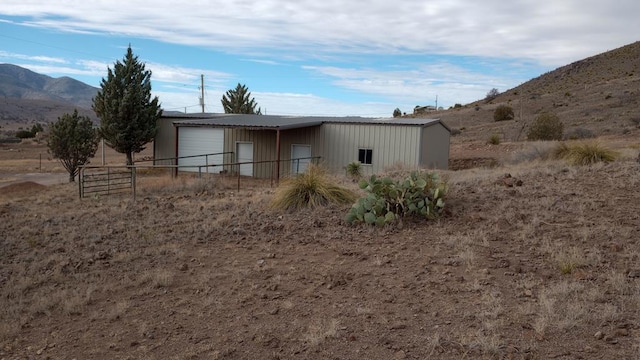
x: 202, y: 92
x: 436, y: 102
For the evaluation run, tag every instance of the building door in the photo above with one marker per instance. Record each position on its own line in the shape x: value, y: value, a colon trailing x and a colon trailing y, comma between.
x: 300, y: 158
x: 194, y: 146
x: 245, y: 154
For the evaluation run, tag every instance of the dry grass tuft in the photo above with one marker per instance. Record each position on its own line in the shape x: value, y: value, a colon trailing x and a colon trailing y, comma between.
x: 570, y: 259
x: 584, y: 153
x: 319, y: 331
x: 312, y: 189
x: 535, y: 150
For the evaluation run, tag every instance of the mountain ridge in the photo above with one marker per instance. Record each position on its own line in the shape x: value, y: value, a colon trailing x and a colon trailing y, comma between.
x: 27, y: 96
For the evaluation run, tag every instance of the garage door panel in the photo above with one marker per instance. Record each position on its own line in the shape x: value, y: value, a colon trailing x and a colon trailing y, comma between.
x: 194, y: 143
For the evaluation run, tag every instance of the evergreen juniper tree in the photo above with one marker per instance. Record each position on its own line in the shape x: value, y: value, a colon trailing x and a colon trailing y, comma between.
x: 127, y: 113
x: 239, y: 101
x: 73, y: 141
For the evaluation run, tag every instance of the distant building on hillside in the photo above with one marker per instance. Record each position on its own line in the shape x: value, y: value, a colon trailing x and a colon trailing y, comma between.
x: 423, y: 109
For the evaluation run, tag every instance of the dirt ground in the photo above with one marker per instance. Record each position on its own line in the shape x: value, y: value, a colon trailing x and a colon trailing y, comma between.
x: 195, y: 269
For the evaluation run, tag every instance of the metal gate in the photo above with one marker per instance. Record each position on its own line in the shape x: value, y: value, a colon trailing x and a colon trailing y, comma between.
x: 106, y: 180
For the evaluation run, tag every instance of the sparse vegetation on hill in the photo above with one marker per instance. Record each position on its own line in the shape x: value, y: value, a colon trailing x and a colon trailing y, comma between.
x: 547, y: 126
x: 502, y: 113
x: 491, y: 95
x: 598, y: 94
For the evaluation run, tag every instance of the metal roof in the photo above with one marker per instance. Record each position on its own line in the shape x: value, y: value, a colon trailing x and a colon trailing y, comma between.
x: 284, y: 122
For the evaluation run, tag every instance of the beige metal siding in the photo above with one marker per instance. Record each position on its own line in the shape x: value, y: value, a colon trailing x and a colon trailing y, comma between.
x: 435, y: 147
x: 164, y: 144
x: 304, y: 136
x: 264, y: 145
x: 391, y: 145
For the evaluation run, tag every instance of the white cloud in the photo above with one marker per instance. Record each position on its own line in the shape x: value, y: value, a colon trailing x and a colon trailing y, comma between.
x: 309, y: 104
x: 21, y: 57
x: 551, y: 32
x: 183, y: 75
x: 274, y: 103
x: 419, y: 86
x: 515, y: 34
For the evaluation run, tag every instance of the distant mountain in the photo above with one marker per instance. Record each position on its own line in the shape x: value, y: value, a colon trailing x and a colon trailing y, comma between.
x: 29, y: 96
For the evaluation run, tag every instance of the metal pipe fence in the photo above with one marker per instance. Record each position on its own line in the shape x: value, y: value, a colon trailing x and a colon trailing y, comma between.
x: 112, y: 179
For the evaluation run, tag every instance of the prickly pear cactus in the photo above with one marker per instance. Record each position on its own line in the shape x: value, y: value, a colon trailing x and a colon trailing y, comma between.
x: 420, y: 194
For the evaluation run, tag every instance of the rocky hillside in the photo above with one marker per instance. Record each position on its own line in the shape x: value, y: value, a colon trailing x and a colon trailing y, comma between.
x: 600, y: 94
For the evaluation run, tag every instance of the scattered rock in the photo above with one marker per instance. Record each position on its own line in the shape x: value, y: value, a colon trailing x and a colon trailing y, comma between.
x: 634, y: 273
x: 183, y: 267
x: 398, y: 326
x: 599, y: 335
x: 102, y: 255
x: 610, y: 339
x: 239, y: 231
x: 399, y: 355
x: 509, y: 181
x: 503, y: 263
x: 621, y: 332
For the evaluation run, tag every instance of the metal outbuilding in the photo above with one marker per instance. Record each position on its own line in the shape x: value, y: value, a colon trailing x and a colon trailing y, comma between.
x: 262, y: 139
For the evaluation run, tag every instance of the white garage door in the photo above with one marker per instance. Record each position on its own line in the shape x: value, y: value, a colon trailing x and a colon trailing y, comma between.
x: 245, y: 154
x: 196, y: 142
x: 300, y: 155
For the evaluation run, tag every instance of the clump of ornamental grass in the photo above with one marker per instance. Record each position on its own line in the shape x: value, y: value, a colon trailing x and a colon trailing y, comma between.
x: 585, y: 153
x: 311, y: 189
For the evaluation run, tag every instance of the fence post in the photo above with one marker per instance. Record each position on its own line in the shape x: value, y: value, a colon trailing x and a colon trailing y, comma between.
x: 80, y: 182
x: 206, y: 162
x: 133, y: 182
x: 108, y: 181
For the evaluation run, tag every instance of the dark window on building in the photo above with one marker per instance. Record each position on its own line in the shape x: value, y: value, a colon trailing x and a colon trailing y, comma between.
x: 365, y: 156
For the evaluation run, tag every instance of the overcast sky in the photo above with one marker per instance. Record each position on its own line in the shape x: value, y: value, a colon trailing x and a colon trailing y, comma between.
x: 310, y: 57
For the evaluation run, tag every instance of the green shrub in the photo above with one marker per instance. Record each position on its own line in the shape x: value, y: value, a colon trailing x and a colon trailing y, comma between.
x: 547, y: 126
x: 354, y: 170
x: 397, y: 112
x: 502, y: 113
x: 10, y: 140
x: 457, y: 106
x: 386, y: 200
x: 25, y: 134
x: 313, y: 188
x: 585, y: 153
x: 494, y: 139
x: 28, y: 134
